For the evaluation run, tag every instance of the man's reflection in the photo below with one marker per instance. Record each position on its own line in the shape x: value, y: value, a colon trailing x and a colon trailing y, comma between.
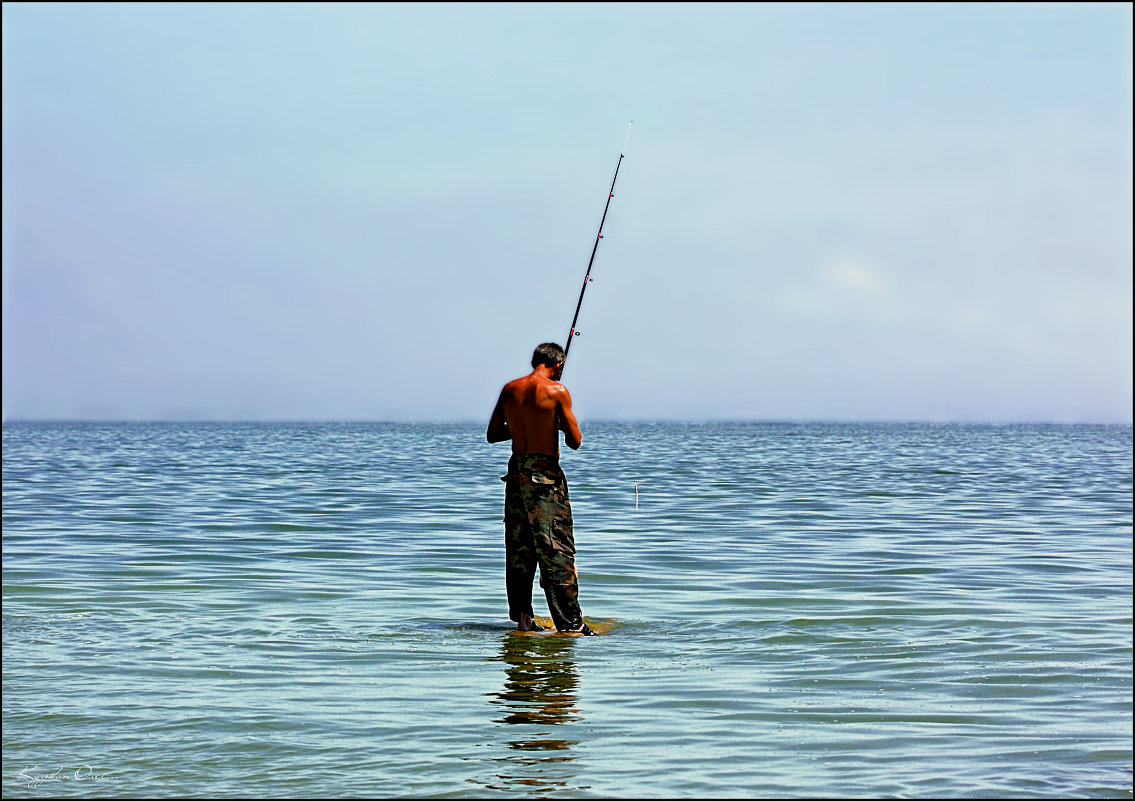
x: 540, y: 691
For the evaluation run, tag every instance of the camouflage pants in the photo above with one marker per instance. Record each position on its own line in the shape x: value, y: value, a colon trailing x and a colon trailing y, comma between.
x: 537, y: 531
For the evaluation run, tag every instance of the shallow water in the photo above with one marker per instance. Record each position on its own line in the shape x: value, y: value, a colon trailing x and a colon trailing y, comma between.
x: 791, y: 610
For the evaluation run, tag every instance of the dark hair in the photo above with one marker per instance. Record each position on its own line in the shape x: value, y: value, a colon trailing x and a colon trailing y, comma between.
x: 549, y: 354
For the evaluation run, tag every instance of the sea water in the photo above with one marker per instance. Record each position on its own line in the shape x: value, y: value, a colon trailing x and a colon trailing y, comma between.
x: 789, y: 611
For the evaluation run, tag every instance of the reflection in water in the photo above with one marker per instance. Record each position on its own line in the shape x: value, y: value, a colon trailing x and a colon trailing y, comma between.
x: 539, y: 691
x: 541, y: 680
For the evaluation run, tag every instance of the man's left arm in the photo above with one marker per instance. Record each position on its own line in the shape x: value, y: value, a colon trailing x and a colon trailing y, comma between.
x: 498, y: 426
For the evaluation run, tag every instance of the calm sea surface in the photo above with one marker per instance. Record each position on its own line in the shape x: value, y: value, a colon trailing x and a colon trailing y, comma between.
x: 790, y: 610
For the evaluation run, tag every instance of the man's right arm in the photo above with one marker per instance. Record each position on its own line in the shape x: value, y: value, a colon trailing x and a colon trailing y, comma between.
x: 566, y: 421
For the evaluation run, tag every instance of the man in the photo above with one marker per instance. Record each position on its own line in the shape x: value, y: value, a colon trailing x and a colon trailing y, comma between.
x: 531, y: 411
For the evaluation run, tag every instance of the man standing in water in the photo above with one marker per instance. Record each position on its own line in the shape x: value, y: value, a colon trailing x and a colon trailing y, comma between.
x: 531, y: 411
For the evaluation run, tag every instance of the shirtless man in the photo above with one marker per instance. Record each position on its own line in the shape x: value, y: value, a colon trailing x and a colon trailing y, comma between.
x: 531, y: 411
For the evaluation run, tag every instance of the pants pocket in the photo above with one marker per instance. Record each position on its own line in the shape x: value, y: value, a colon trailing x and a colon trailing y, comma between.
x: 563, y: 540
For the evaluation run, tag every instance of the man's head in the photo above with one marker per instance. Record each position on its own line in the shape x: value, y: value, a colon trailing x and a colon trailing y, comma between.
x: 548, y: 354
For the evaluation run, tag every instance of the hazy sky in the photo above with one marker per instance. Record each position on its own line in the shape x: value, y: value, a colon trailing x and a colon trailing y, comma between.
x: 375, y: 212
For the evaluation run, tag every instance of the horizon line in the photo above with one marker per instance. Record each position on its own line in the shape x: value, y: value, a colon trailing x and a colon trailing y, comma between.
x: 600, y: 420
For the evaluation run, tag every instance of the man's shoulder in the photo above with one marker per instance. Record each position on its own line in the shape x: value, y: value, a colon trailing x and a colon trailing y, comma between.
x: 557, y: 389
x: 543, y: 385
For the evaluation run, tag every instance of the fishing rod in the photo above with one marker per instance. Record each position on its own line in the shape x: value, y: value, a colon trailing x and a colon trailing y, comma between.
x: 587, y: 278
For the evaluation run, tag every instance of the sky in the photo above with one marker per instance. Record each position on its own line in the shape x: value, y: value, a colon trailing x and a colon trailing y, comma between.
x: 845, y: 212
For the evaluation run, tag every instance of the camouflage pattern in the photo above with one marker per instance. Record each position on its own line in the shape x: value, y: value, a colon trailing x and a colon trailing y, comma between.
x: 538, y: 531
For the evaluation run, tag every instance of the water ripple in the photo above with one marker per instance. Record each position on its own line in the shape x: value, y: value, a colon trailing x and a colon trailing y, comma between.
x: 789, y: 610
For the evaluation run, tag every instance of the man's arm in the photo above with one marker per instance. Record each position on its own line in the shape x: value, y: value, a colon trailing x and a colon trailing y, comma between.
x: 565, y: 420
x: 498, y: 426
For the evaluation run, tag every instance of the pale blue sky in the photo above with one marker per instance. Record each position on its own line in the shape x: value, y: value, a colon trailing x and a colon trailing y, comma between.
x: 374, y: 212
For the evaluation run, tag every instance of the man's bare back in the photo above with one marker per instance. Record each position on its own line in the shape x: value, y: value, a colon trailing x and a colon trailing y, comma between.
x: 532, y: 410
